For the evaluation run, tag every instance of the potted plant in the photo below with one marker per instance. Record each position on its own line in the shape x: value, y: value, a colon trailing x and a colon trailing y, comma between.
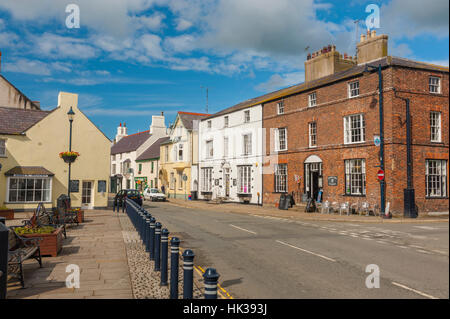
x: 79, y: 212
x: 52, y: 238
x: 69, y: 157
x: 6, y: 212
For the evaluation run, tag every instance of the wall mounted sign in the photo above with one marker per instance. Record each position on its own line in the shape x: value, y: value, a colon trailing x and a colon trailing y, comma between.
x: 377, y: 140
x: 101, y: 186
x: 332, y: 180
x: 74, y: 186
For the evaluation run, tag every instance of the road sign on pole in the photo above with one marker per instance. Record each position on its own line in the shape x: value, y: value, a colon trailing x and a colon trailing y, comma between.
x: 380, y: 174
x: 377, y: 140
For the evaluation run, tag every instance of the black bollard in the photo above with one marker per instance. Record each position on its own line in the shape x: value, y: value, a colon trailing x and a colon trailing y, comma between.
x: 164, y: 252
x: 211, y: 277
x: 152, y: 238
x: 158, y: 246
x: 147, y: 234
x: 4, y: 232
x: 188, y: 273
x: 174, y: 251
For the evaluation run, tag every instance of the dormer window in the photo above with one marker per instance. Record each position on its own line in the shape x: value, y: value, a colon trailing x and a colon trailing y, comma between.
x: 209, y: 125
x: 226, y: 121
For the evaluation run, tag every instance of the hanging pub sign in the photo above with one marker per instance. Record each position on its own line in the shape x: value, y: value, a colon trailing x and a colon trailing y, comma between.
x: 74, y: 186
x: 332, y: 180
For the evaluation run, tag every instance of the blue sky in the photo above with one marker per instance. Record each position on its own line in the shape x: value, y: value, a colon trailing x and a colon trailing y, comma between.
x: 133, y: 58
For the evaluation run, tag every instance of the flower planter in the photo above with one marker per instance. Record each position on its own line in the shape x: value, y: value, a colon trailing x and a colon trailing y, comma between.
x: 51, y: 244
x: 80, y: 215
x: 7, y: 213
x: 69, y: 159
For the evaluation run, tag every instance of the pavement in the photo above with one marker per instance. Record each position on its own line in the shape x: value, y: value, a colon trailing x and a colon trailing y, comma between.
x: 298, y: 212
x: 112, y: 261
x: 263, y: 253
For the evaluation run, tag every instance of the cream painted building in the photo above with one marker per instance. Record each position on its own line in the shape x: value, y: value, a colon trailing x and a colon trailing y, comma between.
x: 178, y: 173
x: 31, y: 169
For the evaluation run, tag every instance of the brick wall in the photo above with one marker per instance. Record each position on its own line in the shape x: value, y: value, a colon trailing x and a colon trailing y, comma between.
x: 332, y: 105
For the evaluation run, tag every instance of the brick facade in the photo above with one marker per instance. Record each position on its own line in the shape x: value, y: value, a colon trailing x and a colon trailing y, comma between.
x: 332, y: 105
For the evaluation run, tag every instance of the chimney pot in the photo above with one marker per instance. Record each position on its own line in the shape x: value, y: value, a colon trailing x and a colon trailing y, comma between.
x: 120, y: 125
x: 363, y: 38
x: 374, y: 33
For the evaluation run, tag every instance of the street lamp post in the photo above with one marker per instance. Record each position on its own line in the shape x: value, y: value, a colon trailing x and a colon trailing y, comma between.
x: 380, y: 104
x: 70, y: 115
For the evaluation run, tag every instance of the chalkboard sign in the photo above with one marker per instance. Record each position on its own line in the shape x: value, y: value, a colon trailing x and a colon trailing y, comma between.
x: 74, y: 186
x: 101, y: 186
x: 332, y: 181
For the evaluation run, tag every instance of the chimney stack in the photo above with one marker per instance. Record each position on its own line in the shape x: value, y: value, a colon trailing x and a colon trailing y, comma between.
x: 326, y: 61
x: 372, y: 47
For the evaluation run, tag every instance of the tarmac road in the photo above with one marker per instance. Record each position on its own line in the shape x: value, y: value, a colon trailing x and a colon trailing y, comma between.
x: 268, y: 257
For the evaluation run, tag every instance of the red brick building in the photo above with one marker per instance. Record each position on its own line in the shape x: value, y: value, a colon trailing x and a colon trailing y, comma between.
x: 323, y: 130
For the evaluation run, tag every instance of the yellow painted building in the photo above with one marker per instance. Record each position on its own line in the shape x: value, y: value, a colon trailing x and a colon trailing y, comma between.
x: 178, y: 172
x: 31, y: 169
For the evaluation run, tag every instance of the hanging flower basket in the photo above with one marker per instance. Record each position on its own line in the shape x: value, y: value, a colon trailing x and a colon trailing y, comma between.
x: 69, y: 157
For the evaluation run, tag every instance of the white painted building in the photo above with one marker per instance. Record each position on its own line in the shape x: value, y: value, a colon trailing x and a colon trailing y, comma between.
x: 127, y: 148
x: 231, y: 155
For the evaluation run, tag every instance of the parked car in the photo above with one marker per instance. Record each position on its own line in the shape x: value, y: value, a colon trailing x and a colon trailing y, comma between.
x: 154, y: 194
x: 132, y: 194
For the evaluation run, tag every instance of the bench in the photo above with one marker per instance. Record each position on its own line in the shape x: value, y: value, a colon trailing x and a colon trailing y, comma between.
x: 42, y: 218
x: 21, y: 249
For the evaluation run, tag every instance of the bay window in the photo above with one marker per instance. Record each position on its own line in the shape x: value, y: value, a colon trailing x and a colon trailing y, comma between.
x: 29, y: 189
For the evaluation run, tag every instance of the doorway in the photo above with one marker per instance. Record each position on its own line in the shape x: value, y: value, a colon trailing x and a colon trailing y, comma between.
x: 313, y: 176
x: 227, y: 182
x: 86, y: 195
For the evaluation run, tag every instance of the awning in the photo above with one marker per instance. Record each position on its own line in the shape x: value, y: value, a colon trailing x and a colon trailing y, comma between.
x: 24, y: 171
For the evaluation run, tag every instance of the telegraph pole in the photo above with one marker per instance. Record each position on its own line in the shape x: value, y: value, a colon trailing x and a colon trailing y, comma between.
x: 207, y: 97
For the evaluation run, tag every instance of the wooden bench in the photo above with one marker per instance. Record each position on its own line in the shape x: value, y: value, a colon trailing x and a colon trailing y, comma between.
x: 21, y: 249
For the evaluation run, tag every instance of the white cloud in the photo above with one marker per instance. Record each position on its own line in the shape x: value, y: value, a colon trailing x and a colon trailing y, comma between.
x: 56, y: 46
x: 26, y: 66
x: 410, y: 18
x: 152, y: 46
x: 278, y: 81
x: 152, y: 23
x: 183, y: 24
x: 180, y: 44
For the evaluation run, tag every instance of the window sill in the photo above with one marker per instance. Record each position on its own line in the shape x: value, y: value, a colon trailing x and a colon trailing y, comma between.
x: 353, y: 143
x: 29, y: 202
x: 353, y: 195
x: 436, y: 197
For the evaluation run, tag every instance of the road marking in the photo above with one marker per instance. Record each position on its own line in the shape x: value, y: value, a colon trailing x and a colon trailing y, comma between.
x: 414, y: 290
x: 306, y: 251
x: 415, y: 246
x: 404, y: 247
x: 248, y: 231
x: 426, y: 227
x: 440, y: 252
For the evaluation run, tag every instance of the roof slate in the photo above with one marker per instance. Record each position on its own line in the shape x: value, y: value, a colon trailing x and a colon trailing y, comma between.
x: 28, y: 170
x: 153, y: 150
x: 130, y: 143
x: 351, y: 72
x: 17, y: 121
x: 188, y: 118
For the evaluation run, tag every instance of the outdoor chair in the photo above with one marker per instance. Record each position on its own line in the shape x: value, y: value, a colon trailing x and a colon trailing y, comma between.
x: 335, y: 207
x: 364, y: 208
x: 345, y: 207
x: 325, y: 207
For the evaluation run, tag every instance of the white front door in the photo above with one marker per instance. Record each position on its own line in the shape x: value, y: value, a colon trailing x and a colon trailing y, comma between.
x: 86, y: 195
